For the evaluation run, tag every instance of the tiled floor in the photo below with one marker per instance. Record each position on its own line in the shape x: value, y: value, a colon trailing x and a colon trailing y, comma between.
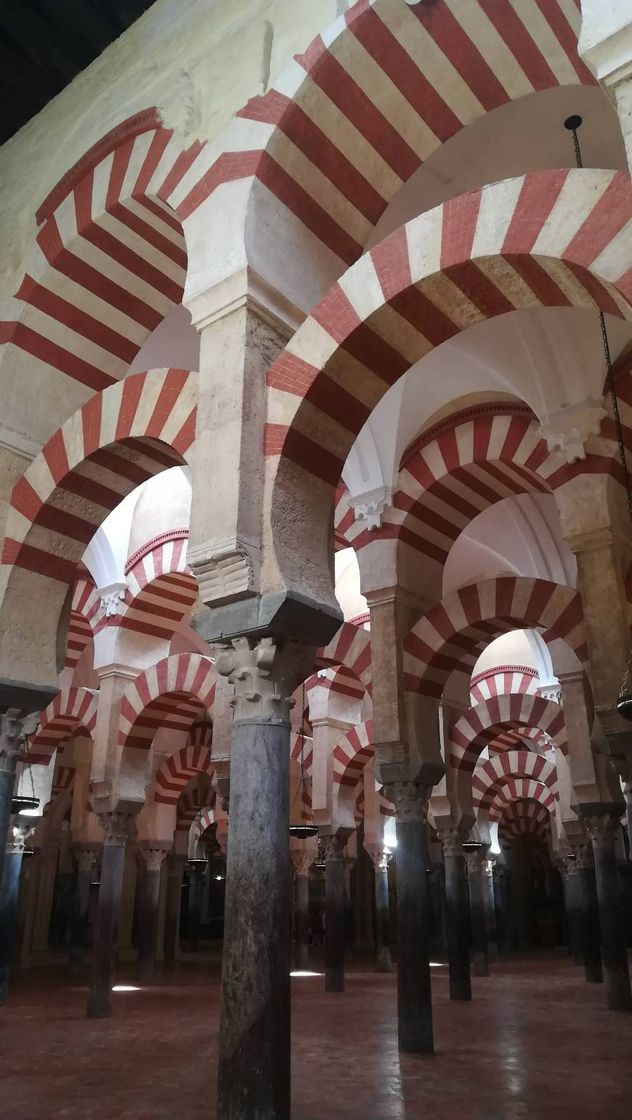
x: 535, y: 1044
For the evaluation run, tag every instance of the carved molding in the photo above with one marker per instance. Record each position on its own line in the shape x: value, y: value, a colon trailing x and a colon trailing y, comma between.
x: 567, y: 430
x: 224, y: 572
x: 370, y: 506
x: 111, y: 600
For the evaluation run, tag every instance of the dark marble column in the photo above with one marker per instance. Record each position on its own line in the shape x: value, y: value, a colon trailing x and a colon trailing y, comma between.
x: 499, y: 887
x: 117, y: 826
x: 477, y: 881
x: 175, y: 872
x: 11, y: 725
x: 627, y: 793
x: 335, y: 911
x: 196, y: 871
x: 254, y: 1033
x: 302, y: 861
x: 458, y: 915
x: 584, y: 889
x: 86, y: 858
x: 414, y: 994
x: 9, y: 891
x: 153, y: 857
x: 602, y: 829
x: 381, y: 859
x: 349, y: 864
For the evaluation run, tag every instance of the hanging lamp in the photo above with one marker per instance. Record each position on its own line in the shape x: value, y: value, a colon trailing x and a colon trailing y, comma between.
x: 624, y: 699
x: 27, y: 804
x: 301, y: 830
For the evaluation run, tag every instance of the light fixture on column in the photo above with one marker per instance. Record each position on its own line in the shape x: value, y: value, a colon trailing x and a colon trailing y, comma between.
x: 624, y: 699
x: 301, y: 830
x: 22, y: 803
x: 472, y: 845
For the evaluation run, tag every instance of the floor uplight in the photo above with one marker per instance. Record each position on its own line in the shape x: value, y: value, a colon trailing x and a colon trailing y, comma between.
x: 304, y: 972
x: 125, y: 988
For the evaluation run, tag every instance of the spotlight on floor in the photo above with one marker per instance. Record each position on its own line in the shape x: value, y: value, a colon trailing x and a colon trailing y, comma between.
x: 125, y: 988
x: 437, y: 964
x: 305, y: 972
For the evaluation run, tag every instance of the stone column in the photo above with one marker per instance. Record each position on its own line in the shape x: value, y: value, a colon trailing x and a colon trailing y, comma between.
x: 499, y: 886
x: 86, y: 859
x: 254, y: 1033
x: 175, y: 872
x: 349, y: 864
x: 458, y: 917
x: 11, y: 744
x: 335, y: 911
x: 569, y: 883
x: 602, y: 829
x: 9, y: 892
x: 627, y: 793
x: 584, y: 900
x: 381, y: 859
x: 477, y: 880
x: 45, y: 889
x: 194, y: 909
x: 414, y: 995
x: 153, y: 857
x: 118, y: 826
x: 302, y: 861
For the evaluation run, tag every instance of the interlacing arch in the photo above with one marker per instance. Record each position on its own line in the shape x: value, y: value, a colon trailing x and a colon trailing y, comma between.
x: 524, y: 818
x: 450, y: 636
x: 172, y: 694
x: 352, y: 753
x: 84, y: 612
x: 161, y: 588
x: 71, y: 710
x: 177, y: 769
x: 192, y: 802
x: 518, y: 789
x: 502, y: 679
x: 490, y: 776
x: 480, y: 726
x: 375, y: 94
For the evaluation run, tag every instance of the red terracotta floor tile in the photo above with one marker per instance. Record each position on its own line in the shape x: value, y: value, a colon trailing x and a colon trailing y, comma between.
x: 535, y: 1043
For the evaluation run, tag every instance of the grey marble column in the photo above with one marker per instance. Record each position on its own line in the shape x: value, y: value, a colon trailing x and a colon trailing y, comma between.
x: 335, y: 911
x: 9, y: 891
x: 153, y: 857
x: 458, y: 915
x: 414, y: 993
x: 194, y: 907
x: 381, y: 858
x: 602, y: 829
x: 477, y: 881
x: 254, y: 1033
x: 86, y: 859
x: 302, y: 861
x: 627, y: 793
x: 584, y: 895
x: 11, y: 745
x: 175, y: 873
x: 118, y: 826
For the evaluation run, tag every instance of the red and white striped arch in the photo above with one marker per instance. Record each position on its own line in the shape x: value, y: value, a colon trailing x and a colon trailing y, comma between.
x: 191, y: 803
x: 71, y: 710
x: 84, y: 610
x: 550, y: 238
x: 510, y: 790
x: 352, y: 753
x: 536, y: 740
x: 172, y: 694
x: 490, y: 776
x: 120, y: 438
x: 350, y: 647
x: 177, y: 770
x: 480, y: 726
x: 161, y: 588
x: 450, y: 637
x: 525, y: 818
x: 373, y: 96
x: 503, y: 679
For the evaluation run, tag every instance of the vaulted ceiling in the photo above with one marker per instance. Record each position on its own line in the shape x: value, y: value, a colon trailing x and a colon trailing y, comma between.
x: 44, y: 44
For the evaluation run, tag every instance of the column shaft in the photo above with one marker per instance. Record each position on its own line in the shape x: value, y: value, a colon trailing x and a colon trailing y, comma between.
x: 8, y: 917
x: 301, y: 923
x: 254, y: 1039
x: 80, y: 918
x: 614, y: 953
x: 149, y: 912
x: 335, y: 911
x: 458, y: 921
x: 414, y: 996
x: 477, y: 881
x: 383, y: 959
x: 172, y: 909
x: 588, y: 922
x: 106, y: 931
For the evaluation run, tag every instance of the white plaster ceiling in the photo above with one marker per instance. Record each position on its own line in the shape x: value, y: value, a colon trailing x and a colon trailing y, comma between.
x: 175, y: 342
x: 347, y: 582
x: 514, y: 648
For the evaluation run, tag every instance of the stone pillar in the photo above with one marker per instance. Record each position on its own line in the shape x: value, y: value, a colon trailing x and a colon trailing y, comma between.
x: 584, y: 900
x: 499, y: 887
x: 86, y: 859
x: 302, y: 861
x: 381, y: 859
x: 458, y: 917
x: 477, y: 881
x: 118, y: 826
x: 602, y: 829
x: 414, y: 995
x: 194, y: 909
x: 175, y: 872
x: 45, y: 890
x: 335, y: 911
x: 10, y: 752
x: 349, y: 864
x: 571, y: 910
x: 254, y: 1033
x: 153, y: 856
x: 490, y: 909
x: 9, y: 891
x: 627, y: 793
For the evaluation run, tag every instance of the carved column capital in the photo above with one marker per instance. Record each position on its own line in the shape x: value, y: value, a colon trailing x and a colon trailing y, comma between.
x: 301, y: 860
x: 451, y: 841
x: 602, y: 829
x: 153, y: 855
x: 14, y: 727
x: 85, y: 856
x: 18, y: 835
x: 476, y: 861
x: 410, y: 800
x: 333, y: 845
x: 580, y: 855
x: 380, y: 857
x: 118, y: 825
x: 264, y: 675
